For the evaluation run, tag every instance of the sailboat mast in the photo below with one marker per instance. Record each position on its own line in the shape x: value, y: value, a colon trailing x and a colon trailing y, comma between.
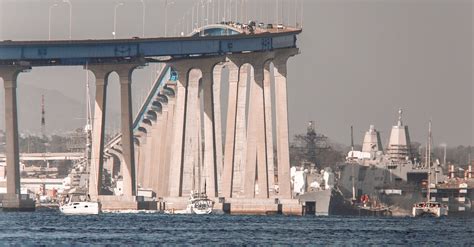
x: 352, y: 164
x: 88, y: 127
x: 428, y: 158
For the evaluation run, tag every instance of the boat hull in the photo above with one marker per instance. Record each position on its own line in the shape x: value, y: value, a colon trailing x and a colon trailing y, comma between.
x: 430, y: 212
x: 80, y: 208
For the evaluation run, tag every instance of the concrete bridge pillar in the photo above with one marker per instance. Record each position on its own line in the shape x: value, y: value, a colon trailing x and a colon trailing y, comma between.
x: 228, y: 168
x: 269, y: 127
x: 209, y: 133
x: 240, y: 153
x: 163, y: 168
x: 282, y: 136
x: 192, y: 129
x: 142, y: 150
x: 153, y: 162
x: 193, y: 75
x: 145, y: 152
x: 101, y: 72
x: 256, y: 165
x: 128, y: 167
x: 165, y: 182
x: 217, y: 78
x: 176, y: 175
x: 12, y: 200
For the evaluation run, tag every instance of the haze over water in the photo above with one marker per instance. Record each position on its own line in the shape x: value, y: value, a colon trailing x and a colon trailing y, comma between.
x: 52, y: 228
x: 360, y: 61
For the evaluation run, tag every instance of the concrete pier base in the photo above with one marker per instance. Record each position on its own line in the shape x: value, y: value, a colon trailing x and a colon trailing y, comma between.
x: 251, y: 206
x: 241, y: 206
x: 123, y: 203
x: 11, y: 203
x: 263, y: 206
x: 175, y: 203
x: 291, y: 207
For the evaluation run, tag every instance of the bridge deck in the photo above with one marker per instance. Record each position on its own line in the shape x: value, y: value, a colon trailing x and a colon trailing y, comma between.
x: 80, y: 52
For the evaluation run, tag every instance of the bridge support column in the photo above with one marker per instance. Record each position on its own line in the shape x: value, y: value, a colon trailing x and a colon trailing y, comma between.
x: 191, y: 137
x: 228, y: 169
x: 256, y: 149
x: 209, y: 133
x: 163, y: 168
x: 143, y: 150
x: 165, y: 183
x: 281, y: 102
x: 155, y: 156
x: 140, y: 156
x: 102, y: 71
x: 12, y: 200
x: 240, y: 153
x: 176, y: 175
x: 101, y: 74
x: 128, y: 167
x: 217, y: 79
x: 269, y: 127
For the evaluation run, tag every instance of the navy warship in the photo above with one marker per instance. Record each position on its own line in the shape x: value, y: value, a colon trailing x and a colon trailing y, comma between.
x: 393, y: 177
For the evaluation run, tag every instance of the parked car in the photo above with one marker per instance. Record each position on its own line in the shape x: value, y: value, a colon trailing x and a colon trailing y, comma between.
x: 280, y: 26
x: 269, y: 26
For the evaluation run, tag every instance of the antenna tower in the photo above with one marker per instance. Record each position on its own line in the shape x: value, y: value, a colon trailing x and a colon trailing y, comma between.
x: 43, y: 122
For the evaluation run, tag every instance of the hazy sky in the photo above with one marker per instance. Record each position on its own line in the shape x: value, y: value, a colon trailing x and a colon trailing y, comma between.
x: 360, y: 60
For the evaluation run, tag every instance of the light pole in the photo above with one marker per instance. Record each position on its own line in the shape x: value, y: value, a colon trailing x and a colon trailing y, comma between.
x: 49, y: 20
x: 115, y: 17
x: 207, y: 13
x: 143, y: 18
x: 166, y: 15
x: 70, y: 17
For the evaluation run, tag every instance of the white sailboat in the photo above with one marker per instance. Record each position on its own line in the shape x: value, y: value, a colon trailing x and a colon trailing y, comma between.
x: 428, y: 207
x: 79, y: 202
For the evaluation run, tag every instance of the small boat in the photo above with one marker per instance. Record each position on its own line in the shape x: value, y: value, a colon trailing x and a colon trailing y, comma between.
x: 433, y: 209
x: 428, y: 207
x: 79, y: 204
x: 198, y: 203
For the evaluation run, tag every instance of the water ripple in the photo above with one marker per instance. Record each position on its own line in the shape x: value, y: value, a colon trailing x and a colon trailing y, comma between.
x: 52, y: 228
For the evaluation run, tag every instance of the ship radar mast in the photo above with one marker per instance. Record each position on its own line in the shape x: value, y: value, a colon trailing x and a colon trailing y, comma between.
x: 400, y: 112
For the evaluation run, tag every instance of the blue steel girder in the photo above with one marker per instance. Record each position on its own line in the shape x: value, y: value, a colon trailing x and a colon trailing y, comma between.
x: 80, y: 52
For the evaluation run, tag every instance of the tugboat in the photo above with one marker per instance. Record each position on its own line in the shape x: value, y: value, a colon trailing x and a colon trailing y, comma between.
x: 429, y: 208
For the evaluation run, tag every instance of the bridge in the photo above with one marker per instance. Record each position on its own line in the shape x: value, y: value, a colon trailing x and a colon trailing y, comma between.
x: 176, y: 143
x: 46, y: 156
